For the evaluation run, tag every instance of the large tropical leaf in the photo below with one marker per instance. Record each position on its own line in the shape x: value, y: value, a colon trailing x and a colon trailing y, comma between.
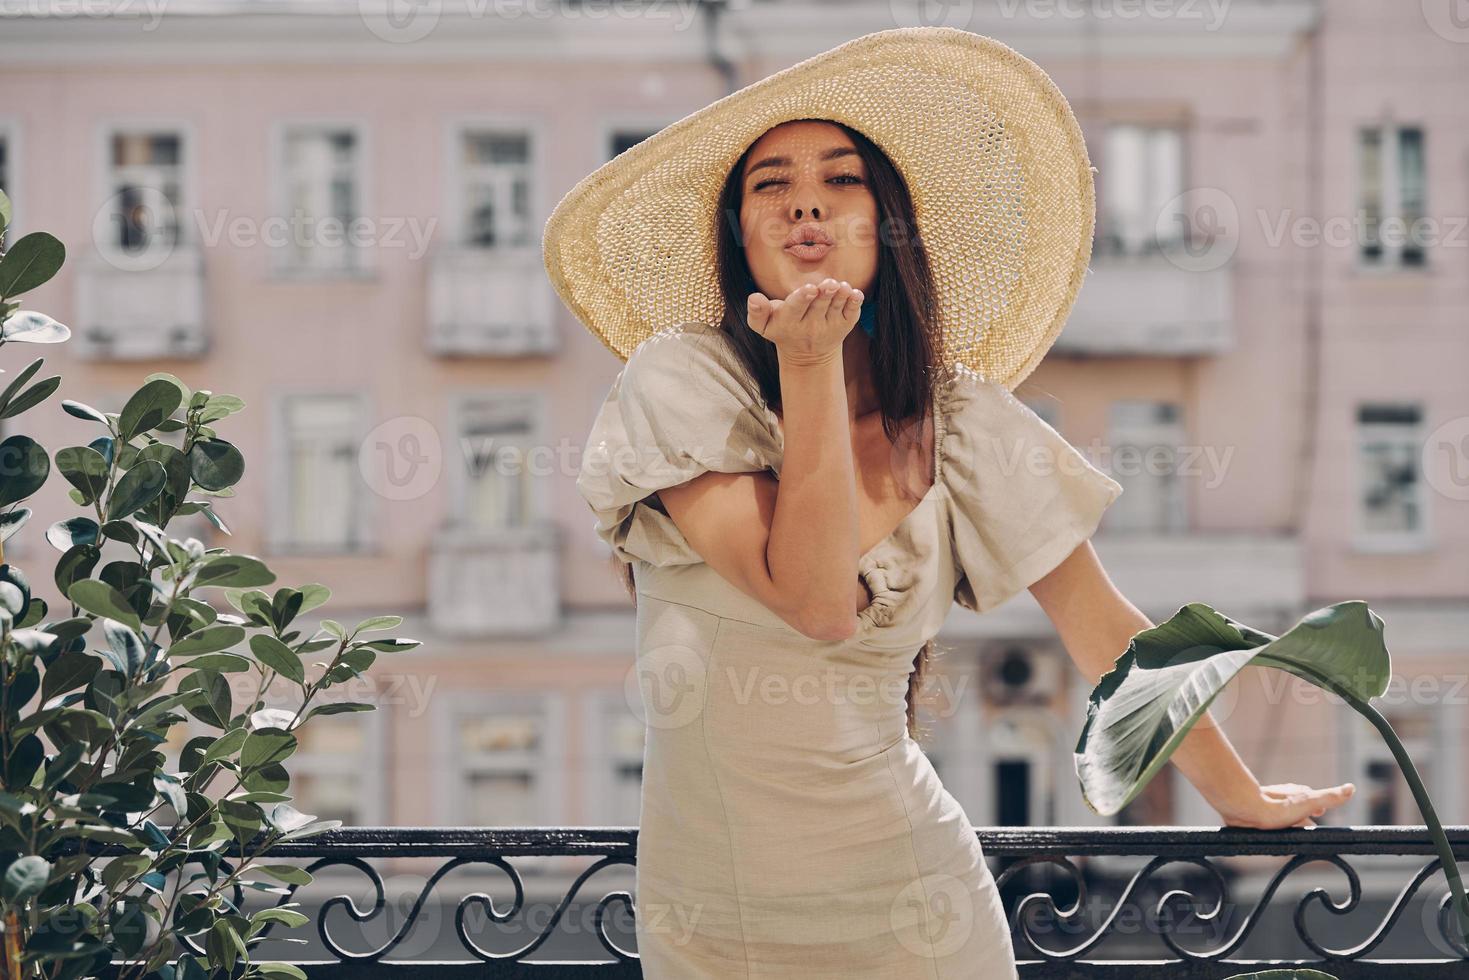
x: 1141, y: 710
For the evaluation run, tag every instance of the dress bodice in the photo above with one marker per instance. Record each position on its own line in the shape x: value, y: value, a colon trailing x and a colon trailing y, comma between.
x: 1009, y: 501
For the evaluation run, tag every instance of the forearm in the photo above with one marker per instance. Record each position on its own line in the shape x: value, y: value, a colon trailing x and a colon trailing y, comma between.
x: 1211, y: 763
x: 1205, y: 756
x: 812, y: 551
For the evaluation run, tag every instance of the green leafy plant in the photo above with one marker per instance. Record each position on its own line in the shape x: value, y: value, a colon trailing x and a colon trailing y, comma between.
x: 110, y: 851
x: 1163, y: 683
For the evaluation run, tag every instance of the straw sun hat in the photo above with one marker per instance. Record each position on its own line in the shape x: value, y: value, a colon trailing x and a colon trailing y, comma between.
x: 994, y: 161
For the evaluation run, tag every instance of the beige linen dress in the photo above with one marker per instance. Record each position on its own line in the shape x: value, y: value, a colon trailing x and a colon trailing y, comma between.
x: 790, y: 827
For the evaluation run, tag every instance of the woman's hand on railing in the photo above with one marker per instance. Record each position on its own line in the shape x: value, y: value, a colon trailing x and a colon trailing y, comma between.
x: 1282, y: 805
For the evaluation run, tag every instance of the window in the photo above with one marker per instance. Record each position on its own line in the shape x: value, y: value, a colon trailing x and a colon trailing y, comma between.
x: 320, y: 499
x: 623, y: 140
x: 624, y: 733
x: 1145, y: 438
x: 1386, y: 798
x: 321, y: 198
x: 496, y: 181
x: 145, y: 179
x: 1391, y: 506
x: 1393, y: 195
x: 503, y: 756
x: 1142, y: 180
x: 332, y: 766
x: 498, y: 433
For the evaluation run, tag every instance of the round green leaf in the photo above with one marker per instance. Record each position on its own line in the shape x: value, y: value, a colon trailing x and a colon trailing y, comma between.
x: 150, y: 405
x: 210, y: 639
x: 72, y: 531
x: 84, y: 468
x: 278, y: 657
x: 102, y: 600
x: 30, y: 262
x: 216, y: 464
x: 138, y: 487
x: 24, y: 467
x: 234, y: 571
x: 30, y: 327
x: 25, y: 878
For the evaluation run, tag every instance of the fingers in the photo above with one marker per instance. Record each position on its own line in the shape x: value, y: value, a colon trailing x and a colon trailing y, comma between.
x: 800, y: 300
x: 852, y: 307
x: 1315, y: 802
x: 757, y: 312
x: 821, y: 305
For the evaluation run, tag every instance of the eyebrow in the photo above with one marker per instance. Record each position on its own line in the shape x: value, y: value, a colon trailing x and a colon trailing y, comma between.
x: 831, y: 154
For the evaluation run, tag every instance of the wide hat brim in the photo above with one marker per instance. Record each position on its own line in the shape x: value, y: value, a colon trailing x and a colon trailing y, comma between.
x: 994, y: 159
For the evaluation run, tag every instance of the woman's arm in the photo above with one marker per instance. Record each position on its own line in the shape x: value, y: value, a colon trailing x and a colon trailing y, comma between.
x: 792, y: 544
x: 1096, y: 623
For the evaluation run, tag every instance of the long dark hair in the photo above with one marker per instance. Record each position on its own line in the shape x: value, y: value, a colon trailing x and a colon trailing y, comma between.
x: 904, y: 345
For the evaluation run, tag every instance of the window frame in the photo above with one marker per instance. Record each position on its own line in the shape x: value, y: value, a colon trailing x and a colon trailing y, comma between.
x: 278, y: 502
x: 461, y: 483
x: 281, y: 263
x: 1104, y: 227
x: 1389, y: 542
x: 104, y: 133
x: 1390, y: 134
x: 533, y: 128
x: 450, y: 764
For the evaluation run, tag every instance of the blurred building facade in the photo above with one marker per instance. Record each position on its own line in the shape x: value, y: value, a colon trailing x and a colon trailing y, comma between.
x: 336, y: 215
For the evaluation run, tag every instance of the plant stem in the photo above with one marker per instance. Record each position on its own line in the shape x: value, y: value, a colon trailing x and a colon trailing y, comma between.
x: 1430, y: 816
x: 12, y: 945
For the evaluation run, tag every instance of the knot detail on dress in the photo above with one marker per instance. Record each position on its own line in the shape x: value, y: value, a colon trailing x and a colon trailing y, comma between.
x: 884, y: 603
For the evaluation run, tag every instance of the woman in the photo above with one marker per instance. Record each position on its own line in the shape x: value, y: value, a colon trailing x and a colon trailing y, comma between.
x: 800, y: 502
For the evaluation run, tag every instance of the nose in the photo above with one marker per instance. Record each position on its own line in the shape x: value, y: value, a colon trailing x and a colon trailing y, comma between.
x: 805, y: 202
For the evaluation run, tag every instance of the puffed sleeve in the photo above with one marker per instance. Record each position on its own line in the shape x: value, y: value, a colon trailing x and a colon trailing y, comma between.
x: 682, y: 405
x: 1022, y: 498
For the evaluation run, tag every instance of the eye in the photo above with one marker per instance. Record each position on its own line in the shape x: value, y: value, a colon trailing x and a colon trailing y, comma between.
x: 773, y: 180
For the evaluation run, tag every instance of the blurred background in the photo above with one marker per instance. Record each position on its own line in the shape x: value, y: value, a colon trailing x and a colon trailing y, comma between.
x: 334, y: 210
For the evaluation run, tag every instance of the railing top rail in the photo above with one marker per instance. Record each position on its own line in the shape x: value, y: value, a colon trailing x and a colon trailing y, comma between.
x: 997, y: 841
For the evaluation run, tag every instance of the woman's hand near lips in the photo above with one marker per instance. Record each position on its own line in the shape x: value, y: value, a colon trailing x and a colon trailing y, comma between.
x: 809, y: 325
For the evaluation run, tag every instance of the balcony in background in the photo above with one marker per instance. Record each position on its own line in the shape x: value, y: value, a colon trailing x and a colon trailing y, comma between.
x: 490, y: 302
x: 1149, y: 305
x: 494, y: 583
x: 140, y: 308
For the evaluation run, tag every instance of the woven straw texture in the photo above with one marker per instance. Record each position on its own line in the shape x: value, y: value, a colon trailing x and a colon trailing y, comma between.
x: 994, y: 160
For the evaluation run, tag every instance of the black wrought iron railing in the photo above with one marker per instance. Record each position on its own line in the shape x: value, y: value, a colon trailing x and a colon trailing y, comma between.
x: 1084, y: 903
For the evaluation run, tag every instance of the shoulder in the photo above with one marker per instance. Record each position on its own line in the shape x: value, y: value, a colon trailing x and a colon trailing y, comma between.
x: 690, y: 364
x: 994, y: 438
x: 694, y: 343
x: 973, y: 405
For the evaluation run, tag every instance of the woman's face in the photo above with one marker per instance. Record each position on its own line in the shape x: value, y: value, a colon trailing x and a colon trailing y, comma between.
x: 807, y: 178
